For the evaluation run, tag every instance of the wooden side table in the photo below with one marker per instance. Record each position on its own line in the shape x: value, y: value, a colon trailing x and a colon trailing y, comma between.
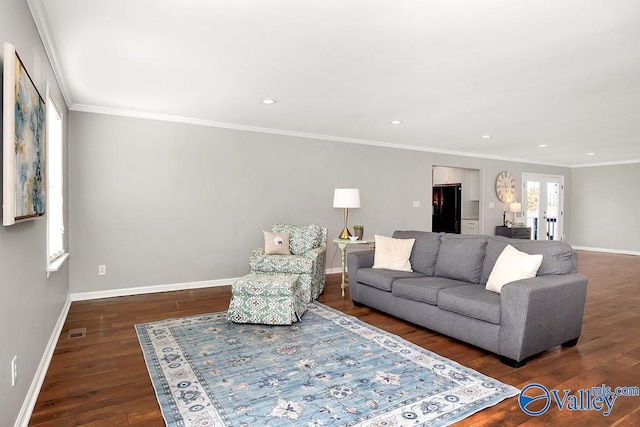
x: 342, y: 245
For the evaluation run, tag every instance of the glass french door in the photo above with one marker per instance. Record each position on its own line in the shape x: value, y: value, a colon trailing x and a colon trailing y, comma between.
x: 543, y: 205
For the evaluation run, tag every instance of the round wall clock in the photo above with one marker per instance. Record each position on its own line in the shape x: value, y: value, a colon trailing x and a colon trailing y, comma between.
x: 505, y: 186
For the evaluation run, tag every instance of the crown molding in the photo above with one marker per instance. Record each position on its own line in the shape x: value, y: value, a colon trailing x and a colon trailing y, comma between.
x: 593, y: 165
x: 39, y: 14
x: 210, y: 123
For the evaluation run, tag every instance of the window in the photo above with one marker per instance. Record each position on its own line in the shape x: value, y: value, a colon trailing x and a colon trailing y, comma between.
x: 56, y: 253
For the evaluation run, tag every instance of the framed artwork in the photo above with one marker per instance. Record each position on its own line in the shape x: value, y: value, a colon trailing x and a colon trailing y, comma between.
x: 23, y: 163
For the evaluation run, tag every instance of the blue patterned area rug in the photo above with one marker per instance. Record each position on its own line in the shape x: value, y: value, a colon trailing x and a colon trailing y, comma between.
x: 328, y: 369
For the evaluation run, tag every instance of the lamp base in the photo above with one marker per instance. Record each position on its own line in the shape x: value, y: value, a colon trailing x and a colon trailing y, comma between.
x: 344, y: 235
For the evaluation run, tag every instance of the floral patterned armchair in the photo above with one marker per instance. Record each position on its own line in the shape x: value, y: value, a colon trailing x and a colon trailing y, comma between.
x: 308, y: 246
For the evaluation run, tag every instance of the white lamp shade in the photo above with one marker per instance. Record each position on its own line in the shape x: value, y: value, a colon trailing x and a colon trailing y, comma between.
x: 346, y: 198
x: 515, y: 207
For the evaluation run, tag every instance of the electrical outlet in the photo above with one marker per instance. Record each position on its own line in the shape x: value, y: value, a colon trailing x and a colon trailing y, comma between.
x: 416, y: 203
x: 102, y: 270
x: 14, y: 371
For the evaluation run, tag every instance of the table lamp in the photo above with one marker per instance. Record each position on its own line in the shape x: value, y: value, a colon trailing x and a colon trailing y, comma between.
x: 515, y: 208
x: 346, y: 198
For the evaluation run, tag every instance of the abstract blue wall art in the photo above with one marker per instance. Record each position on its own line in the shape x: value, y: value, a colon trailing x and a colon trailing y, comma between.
x: 23, y: 143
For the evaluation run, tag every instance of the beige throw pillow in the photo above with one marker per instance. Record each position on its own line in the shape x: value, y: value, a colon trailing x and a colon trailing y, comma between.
x: 512, y: 265
x: 276, y: 243
x: 393, y: 254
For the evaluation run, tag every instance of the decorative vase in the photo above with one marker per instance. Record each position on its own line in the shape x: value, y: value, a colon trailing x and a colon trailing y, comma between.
x: 358, y: 231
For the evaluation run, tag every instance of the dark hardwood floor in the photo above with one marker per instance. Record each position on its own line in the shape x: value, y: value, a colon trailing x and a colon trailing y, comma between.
x: 102, y: 379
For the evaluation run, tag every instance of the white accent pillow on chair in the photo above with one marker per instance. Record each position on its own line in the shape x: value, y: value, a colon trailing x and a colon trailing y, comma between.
x: 276, y: 243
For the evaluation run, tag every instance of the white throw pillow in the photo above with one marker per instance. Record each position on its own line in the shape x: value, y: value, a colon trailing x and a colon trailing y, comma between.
x: 276, y: 243
x: 512, y: 265
x: 393, y: 254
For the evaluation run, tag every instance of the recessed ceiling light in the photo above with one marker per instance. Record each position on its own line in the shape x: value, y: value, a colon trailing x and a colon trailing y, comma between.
x: 591, y: 154
x: 396, y: 122
x: 542, y: 145
x: 487, y: 136
x: 268, y: 101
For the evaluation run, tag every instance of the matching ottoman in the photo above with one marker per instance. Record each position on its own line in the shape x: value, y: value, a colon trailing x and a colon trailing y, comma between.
x: 267, y: 299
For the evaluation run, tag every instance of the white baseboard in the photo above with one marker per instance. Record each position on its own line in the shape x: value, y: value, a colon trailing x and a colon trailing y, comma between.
x: 36, y: 384
x: 82, y: 296
x: 611, y: 251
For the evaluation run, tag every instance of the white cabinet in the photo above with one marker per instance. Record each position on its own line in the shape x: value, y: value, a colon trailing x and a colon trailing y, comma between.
x: 469, y: 227
x: 444, y: 175
x: 471, y: 184
x: 469, y: 178
x: 455, y: 176
x: 440, y: 175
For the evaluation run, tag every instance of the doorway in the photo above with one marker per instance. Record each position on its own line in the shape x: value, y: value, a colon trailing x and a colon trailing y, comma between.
x: 455, y: 200
x: 543, y: 201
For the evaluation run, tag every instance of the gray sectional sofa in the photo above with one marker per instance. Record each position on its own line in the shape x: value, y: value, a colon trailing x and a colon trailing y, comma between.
x: 446, y: 293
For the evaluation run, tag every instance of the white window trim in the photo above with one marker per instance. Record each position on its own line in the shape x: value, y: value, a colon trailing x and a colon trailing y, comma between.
x: 55, y: 262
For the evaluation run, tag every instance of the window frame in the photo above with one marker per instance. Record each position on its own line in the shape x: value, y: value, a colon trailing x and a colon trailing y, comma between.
x: 55, y: 260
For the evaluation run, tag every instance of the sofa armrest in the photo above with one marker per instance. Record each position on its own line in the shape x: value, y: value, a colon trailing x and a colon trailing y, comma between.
x: 357, y: 260
x: 540, y: 312
x: 315, y: 252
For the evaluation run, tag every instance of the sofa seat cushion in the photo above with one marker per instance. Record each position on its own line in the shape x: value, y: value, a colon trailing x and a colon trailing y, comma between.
x: 471, y: 301
x: 423, y: 289
x: 382, y: 278
x: 461, y: 257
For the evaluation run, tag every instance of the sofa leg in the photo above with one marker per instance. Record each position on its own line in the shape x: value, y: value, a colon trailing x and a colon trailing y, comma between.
x: 571, y: 343
x: 357, y: 304
x: 512, y: 363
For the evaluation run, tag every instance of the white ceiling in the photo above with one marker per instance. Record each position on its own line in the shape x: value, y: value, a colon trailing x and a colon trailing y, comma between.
x: 527, y: 72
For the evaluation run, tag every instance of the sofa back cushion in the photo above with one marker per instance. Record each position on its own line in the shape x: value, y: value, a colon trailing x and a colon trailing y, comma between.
x: 557, y: 257
x: 461, y: 257
x: 425, y: 250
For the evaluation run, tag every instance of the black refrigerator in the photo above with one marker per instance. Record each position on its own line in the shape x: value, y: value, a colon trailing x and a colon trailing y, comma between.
x: 447, y: 208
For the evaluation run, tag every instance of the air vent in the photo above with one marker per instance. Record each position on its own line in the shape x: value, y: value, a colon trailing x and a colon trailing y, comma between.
x: 78, y: 333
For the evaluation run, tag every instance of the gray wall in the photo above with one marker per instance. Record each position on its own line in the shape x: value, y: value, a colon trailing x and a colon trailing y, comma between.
x: 162, y: 203
x: 30, y: 304
x: 606, y: 207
